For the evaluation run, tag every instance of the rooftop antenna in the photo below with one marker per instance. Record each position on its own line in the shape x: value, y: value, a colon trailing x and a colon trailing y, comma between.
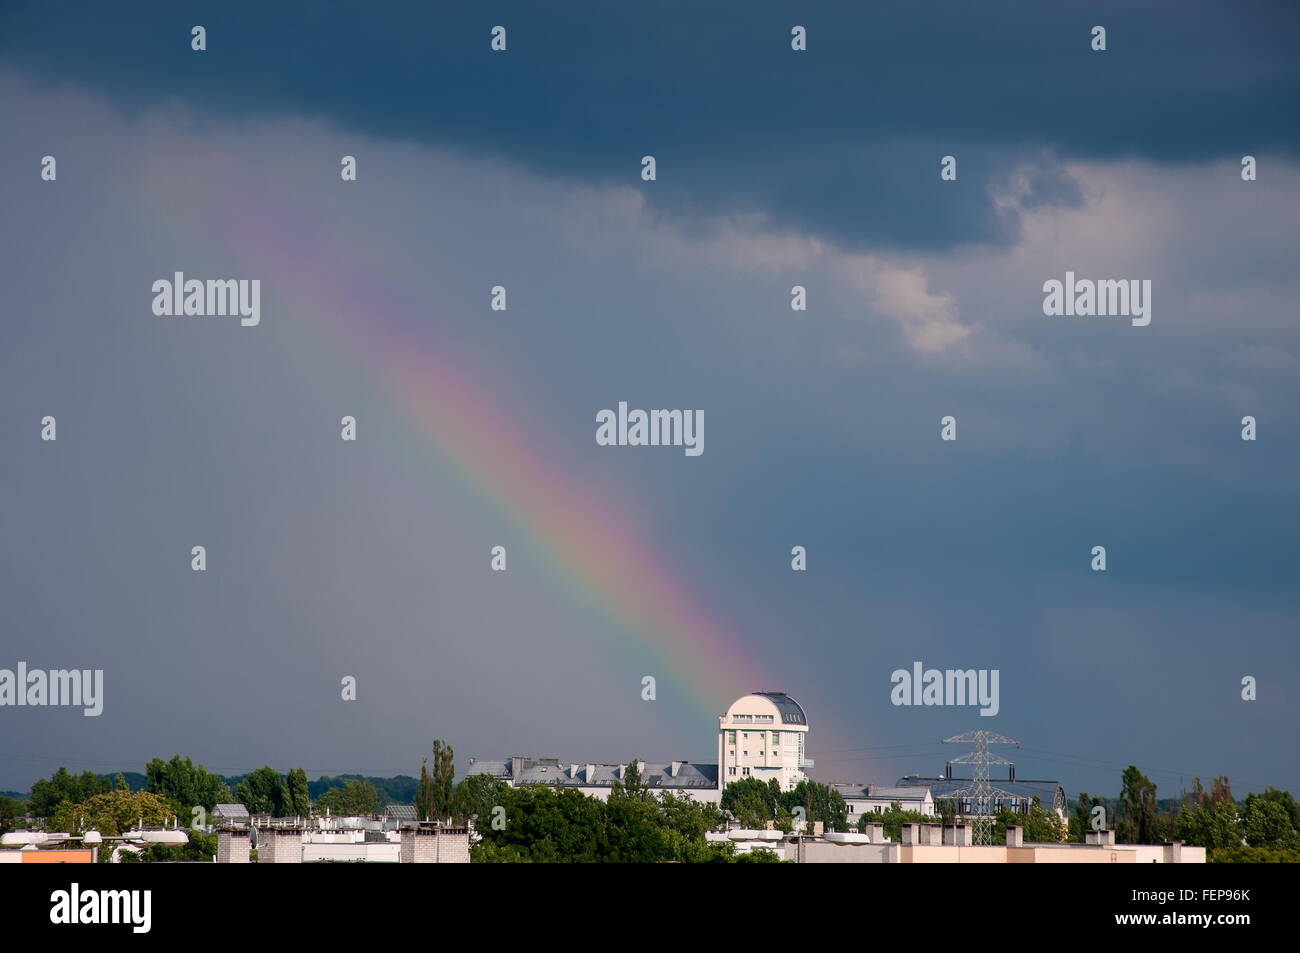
x: 980, y: 791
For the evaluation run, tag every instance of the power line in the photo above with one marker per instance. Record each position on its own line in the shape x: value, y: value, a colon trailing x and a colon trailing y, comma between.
x: 918, y: 744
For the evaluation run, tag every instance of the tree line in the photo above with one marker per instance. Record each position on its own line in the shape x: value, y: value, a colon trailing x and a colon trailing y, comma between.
x: 539, y: 823
x: 1264, y: 828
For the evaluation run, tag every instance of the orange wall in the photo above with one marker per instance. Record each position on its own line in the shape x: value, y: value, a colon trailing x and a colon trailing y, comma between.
x: 56, y: 856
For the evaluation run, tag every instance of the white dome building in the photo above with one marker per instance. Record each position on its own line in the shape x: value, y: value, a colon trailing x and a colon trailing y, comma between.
x: 762, y: 736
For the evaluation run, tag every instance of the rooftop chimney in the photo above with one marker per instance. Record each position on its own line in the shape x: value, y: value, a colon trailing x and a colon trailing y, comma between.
x: 1015, y: 837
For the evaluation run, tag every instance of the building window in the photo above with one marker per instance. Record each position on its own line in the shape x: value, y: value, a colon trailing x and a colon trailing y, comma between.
x: 776, y: 737
x: 746, y: 754
x: 731, y: 771
x: 731, y: 737
x: 746, y: 770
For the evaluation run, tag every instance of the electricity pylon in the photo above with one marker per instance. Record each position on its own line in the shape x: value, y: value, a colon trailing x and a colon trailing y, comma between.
x: 980, y: 791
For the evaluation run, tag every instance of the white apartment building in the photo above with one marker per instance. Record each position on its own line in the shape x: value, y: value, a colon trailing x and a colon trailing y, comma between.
x: 877, y: 798
x: 700, y: 781
x: 762, y: 736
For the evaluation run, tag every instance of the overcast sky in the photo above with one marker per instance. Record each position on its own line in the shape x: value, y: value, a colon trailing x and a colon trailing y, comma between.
x: 775, y: 168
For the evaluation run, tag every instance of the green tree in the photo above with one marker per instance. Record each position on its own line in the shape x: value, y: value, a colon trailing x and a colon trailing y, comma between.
x: 1080, y: 821
x: 631, y: 786
x: 893, y: 820
x: 424, y: 794
x: 476, y: 795
x: 819, y: 802
x: 685, y: 822
x: 442, y: 783
x: 947, y: 808
x: 1253, y: 855
x: 201, y: 847
x: 633, y: 829
x: 1139, y: 821
x: 360, y: 797
x: 185, y: 785
x: 1266, y: 823
x: 749, y: 801
x: 1285, y: 800
x: 299, y: 803
x: 10, y: 814
x: 1212, y: 826
x: 47, y: 795
x: 1038, y: 826
x: 544, y: 824
x: 1221, y: 790
x: 264, y: 792
x: 759, y: 855
x: 112, y: 813
x: 689, y: 817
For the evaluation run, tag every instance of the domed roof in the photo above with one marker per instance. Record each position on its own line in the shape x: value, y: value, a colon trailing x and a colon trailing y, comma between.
x: 791, y: 711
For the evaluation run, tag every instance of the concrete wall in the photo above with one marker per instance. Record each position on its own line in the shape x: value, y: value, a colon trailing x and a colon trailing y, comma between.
x: 341, y: 852
x: 1168, y: 854
x: 822, y: 852
x: 945, y: 854
x: 1068, y: 854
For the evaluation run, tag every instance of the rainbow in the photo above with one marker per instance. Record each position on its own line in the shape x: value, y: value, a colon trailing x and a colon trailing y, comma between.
x: 586, y: 542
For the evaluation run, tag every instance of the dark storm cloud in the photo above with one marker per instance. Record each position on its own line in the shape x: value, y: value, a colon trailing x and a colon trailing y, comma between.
x: 823, y: 427
x: 843, y: 140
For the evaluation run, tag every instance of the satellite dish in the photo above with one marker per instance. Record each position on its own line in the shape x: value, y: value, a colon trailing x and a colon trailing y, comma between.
x: 252, y: 837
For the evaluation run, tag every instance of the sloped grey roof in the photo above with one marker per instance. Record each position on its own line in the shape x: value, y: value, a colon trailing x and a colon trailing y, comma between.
x: 792, y: 712
x: 895, y: 793
x: 655, y: 774
x: 231, y: 810
x: 1050, y: 793
x: 882, y: 791
x: 401, y: 812
x: 689, y: 775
